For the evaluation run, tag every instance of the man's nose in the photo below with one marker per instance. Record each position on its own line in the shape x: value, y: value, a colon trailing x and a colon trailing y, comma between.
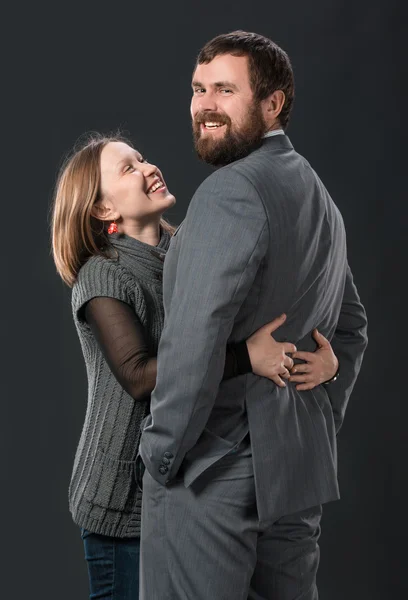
x: 207, y: 102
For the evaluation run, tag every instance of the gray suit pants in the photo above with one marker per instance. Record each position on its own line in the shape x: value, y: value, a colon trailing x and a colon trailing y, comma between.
x: 204, y: 542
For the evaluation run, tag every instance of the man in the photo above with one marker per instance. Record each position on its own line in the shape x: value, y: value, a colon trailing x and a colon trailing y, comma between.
x: 236, y: 472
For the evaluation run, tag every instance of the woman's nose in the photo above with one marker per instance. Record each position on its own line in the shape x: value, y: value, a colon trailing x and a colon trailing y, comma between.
x: 149, y: 169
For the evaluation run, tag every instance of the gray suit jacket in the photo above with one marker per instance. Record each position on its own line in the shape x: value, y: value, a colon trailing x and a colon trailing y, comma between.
x: 261, y: 237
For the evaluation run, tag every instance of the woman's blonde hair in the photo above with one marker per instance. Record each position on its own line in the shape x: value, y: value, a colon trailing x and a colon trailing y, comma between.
x: 76, y: 233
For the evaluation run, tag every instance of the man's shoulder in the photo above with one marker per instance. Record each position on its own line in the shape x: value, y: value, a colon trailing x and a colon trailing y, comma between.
x: 226, y: 178
x: 267, y: 158
x: 226, y: 190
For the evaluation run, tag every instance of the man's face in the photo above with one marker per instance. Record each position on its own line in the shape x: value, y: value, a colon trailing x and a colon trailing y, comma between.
x: 227, y: 121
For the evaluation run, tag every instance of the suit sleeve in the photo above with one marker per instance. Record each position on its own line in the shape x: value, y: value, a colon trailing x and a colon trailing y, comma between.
x: 349, y: 343
x: 222, y: 243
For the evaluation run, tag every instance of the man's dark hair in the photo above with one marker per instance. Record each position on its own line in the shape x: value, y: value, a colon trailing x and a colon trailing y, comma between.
x: 269, y: 66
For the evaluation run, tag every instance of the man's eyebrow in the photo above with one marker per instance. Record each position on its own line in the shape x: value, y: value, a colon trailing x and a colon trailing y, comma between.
x: 217, y: 84
x: 226, y: 84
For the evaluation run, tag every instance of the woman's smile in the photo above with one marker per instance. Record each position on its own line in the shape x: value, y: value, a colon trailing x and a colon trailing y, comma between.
x: 158, y: 185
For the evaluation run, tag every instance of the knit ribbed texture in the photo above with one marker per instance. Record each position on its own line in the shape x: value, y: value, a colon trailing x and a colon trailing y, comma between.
x: 103, y: 495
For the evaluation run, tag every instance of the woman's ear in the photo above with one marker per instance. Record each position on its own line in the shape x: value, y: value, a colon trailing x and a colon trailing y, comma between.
x: 104, y: 212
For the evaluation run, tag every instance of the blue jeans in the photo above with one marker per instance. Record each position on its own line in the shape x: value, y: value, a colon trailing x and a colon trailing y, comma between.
x: 113, y: 566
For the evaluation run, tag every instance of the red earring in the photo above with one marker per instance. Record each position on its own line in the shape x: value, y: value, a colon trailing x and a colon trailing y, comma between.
x: 113, y: 228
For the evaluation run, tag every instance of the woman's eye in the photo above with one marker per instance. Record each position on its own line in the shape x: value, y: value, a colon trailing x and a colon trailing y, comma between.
x: 129, y: 168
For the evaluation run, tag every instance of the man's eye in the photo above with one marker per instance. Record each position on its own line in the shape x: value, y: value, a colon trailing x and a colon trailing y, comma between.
x: 129, y: 168
x: 142, y: 159
x: 199, y: 90
x: 226, y: 91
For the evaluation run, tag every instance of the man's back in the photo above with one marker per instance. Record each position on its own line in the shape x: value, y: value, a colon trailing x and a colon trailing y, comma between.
x: 304, y: 269
x: 261, y: 237
x: 302, y: 274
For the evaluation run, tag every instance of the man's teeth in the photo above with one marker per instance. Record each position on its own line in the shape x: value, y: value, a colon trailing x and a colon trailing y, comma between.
x: 156, y: 186
x: 213, y: 125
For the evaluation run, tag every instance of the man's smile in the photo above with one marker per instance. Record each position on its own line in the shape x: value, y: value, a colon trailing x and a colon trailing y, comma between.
x: 211, y: 126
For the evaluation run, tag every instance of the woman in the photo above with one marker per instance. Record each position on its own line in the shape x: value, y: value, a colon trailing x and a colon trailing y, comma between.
x: 109, y: 242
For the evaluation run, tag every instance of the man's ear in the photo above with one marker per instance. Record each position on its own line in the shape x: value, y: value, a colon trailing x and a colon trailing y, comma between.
x: 272, y: 106
x: 103, y: 212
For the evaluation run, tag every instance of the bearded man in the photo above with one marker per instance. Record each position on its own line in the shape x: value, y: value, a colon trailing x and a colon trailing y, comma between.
x: 237, y: 470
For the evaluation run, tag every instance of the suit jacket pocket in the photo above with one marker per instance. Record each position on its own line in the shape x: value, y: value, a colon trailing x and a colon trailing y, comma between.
x: 111, y: 484
x: 208, y: 449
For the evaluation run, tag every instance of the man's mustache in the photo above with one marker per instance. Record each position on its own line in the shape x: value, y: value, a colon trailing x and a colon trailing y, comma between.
x: 209, y: 117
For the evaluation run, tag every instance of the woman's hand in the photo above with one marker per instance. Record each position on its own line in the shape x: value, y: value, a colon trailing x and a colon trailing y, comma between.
x: 320, y: 366
x: 269, y: 357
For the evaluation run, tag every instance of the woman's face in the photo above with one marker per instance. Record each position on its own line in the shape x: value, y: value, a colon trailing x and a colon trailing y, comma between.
x: 132, y: 189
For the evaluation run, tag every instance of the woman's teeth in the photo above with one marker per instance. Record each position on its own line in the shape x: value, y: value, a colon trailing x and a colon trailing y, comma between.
x: 159, y: 184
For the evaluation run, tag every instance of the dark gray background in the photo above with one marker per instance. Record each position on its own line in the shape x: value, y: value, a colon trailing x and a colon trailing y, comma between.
x: 96, y: 67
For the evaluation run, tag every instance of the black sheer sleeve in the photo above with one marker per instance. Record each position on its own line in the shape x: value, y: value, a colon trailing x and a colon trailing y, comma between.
x: 121, y: 339
x: 237, y: 361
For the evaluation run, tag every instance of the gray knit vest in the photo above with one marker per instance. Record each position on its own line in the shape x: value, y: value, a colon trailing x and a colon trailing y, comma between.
x: 103, y: 495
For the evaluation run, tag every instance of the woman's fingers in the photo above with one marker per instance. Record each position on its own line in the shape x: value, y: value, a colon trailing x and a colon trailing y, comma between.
x: 276, y: 379
x: 288, y: 362
x: 307, y: 356
x: 285, y: 374
x: 320, y: 339
x: 305, y: 386
x: 276, y: 323
x: 289, y: 348
x: 302, y: 368
x: 302, y: 378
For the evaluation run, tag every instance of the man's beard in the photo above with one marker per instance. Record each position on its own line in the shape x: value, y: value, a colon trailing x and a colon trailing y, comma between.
x: 236, y: 143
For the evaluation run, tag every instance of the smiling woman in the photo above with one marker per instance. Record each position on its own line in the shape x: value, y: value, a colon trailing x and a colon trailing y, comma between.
x: 108, y: 237
x: 132, y: 192
x: 98, y: 181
